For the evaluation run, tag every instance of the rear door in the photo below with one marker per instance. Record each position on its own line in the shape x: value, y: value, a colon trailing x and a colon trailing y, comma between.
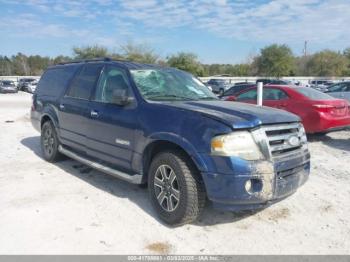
x: 111, y: 127
x: 74, y: 107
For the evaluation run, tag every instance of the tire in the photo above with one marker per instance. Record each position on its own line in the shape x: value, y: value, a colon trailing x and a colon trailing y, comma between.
x: 176, y: 183
x: 49, y: 142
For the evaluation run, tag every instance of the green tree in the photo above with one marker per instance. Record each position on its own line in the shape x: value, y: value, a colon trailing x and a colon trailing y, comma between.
x: 275, y: 60
x: 5, y: 66
x: 187, y: 62
x: 346, y: 53
x: 37, y: 64
x: 90, y: 52
x: 61, y: 59
x: 20, y: 64
x: 141, y: 53
x: 327, y: 63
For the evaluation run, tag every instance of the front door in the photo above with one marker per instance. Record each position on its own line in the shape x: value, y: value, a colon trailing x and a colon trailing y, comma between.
x: 111, y: 127
x: 274, y: 97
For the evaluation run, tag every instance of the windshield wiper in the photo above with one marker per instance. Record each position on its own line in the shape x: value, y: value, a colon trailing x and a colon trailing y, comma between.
x: 172, y: 96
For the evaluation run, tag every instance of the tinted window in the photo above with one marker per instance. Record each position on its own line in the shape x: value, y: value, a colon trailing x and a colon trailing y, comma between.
x: 55, y: 80
x: 84, y: 82
x: 337, y: 88
x: 112, y: 81
x: 313, y: 94
x: 250, y: 95
x: 274, y: 94
x: 230, y: 92
x: 236, y: 89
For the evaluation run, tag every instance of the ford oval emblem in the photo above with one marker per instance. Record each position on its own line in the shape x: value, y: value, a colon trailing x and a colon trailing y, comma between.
x: 293, y: 141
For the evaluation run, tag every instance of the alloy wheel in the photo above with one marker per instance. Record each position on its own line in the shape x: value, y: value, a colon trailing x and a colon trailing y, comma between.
x: 167, y: 188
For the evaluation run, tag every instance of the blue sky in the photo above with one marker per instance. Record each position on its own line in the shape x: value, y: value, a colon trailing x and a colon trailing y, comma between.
x: 218, y: 31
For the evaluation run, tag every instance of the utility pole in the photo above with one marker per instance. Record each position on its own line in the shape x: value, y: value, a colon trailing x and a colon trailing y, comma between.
x: 305, y: 48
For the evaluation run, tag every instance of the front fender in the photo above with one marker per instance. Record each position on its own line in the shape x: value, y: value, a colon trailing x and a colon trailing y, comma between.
x: 181, y: 142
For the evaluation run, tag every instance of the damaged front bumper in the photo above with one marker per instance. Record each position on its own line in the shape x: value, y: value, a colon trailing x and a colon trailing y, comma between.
x: 270, y: 180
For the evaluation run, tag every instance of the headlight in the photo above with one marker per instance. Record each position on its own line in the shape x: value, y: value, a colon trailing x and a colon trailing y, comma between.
x: 302, y: 134
x: 239, y: 143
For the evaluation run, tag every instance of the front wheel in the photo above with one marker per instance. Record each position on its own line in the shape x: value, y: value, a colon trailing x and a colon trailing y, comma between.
x: 175, y: 190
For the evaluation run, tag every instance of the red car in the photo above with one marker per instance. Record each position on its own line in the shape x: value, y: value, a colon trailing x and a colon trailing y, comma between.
x: 318, y: 111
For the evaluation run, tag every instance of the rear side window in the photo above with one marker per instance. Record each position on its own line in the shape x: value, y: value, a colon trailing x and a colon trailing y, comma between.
x: 313, y: 94
x: 54, y: 80
x: 274, y: 94
x: 84, y: 82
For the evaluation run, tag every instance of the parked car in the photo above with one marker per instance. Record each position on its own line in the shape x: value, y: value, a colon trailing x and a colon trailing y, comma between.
x: 162, y: 127
x: 339, y: 90
x: 23, y: 83
x: 273, y: 81
x: 7, y: 86
x: 218, y: 86
x: 234, y: 90
x: 318, y: 111
x: 31, y: 87
x: 320, y: 85
x: 243, y: 83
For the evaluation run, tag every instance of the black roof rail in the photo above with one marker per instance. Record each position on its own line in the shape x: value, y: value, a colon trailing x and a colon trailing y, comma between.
x: 103, y: 59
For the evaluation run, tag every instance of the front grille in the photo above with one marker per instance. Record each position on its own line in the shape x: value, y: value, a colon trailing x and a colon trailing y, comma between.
x: 284, y: 138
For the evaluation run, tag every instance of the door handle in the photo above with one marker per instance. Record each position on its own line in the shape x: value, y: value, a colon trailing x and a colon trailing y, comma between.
x: 93, y: 113
x: 61, y: 106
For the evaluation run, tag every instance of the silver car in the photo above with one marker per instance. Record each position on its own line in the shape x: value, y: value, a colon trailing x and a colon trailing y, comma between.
x: 340, y: 90
x: 7, y: 86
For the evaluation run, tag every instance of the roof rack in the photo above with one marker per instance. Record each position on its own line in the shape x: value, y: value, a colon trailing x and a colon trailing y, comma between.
x: 87, y: 60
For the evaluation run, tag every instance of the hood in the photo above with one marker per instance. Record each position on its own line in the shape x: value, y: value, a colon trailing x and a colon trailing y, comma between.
x: 237, y: 115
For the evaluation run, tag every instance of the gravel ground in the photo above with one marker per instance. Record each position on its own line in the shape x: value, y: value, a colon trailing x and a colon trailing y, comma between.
x: 67, y: 208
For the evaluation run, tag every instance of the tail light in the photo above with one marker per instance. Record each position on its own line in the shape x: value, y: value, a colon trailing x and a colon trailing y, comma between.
x: 33, y: 103
x: 323, y: 107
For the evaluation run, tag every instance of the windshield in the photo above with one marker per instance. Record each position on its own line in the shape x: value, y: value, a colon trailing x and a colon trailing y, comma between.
x: 313, y: 94
x: 337, y: 87
x: 170, y: 84
x: 8, y: 83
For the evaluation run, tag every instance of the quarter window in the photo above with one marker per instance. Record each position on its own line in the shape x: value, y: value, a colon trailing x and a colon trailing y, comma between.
x: 83, y: 84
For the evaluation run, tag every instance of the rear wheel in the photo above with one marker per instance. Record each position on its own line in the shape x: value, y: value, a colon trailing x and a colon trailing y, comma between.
x: 175, y: 190
x: 49, y: 142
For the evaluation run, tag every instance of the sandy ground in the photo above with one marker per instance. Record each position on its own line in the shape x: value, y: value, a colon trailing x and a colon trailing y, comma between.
x: 67, y: 208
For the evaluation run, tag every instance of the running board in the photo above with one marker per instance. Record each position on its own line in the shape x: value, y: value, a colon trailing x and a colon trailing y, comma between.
x: 134, y: 179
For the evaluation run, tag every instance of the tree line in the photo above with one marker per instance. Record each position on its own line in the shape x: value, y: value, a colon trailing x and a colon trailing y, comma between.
x: 273, y: 60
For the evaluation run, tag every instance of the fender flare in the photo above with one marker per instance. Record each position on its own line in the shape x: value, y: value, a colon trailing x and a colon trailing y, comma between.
x: 183, y: 144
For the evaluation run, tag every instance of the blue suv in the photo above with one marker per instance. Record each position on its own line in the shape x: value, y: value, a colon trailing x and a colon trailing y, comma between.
x: 162, y: 127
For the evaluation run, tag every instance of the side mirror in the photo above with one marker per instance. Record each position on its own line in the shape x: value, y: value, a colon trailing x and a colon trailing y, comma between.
x: 121, y: 97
